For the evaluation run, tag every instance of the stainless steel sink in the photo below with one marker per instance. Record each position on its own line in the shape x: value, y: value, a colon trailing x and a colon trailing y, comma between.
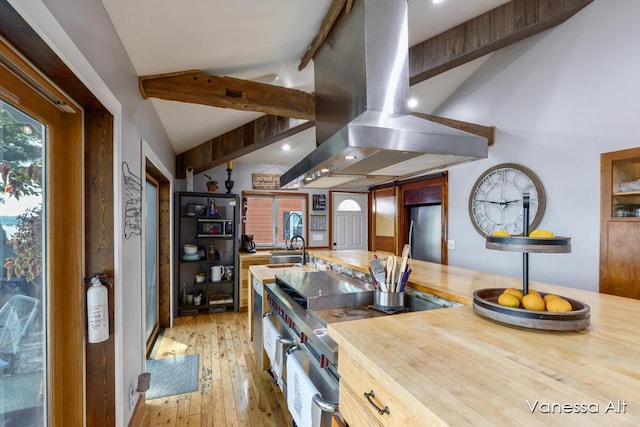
x: 419, y: 301
x: 285, y: 257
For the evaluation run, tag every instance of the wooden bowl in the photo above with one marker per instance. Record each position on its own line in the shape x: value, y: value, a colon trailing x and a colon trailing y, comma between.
x: 485, y: 303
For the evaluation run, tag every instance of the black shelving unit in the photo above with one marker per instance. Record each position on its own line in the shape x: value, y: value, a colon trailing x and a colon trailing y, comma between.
x: 209, y: 221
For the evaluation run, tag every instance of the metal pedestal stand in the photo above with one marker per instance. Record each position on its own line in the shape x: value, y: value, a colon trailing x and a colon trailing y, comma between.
x: 525, y: 255
x: 485, y: 300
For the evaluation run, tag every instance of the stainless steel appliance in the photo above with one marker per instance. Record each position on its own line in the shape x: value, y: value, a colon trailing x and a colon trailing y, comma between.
x: 302, y: 304
x: 425, y: 232
x: 365, y: 132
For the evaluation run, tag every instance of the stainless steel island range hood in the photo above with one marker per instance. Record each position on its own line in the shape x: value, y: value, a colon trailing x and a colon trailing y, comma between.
x: 364, y: 131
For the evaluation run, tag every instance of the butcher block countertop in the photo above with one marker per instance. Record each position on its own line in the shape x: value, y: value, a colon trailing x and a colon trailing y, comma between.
x: 453, y: 367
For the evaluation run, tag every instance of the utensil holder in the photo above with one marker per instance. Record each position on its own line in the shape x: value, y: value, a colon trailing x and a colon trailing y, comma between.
x: 388, y: 300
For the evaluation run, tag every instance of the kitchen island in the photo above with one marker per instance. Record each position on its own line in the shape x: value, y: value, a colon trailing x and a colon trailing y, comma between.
x: 454, y: 367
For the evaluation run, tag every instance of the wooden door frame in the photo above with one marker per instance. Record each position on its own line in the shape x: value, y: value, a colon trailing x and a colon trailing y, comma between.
x: 397, y: 190
x: 154, y: 334
x: 164, y: 239
x: 96, y: 385
x: 440, y: 183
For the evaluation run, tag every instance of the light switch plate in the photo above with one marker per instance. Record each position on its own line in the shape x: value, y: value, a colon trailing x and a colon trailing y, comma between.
x: 132, y: 396
x: 451, y: 244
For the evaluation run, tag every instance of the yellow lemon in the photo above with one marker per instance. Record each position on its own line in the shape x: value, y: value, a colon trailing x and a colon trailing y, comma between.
x: 531, y: 291
x: 515, y: 292
x: 533, y: 302
x: 508, y: 300
x: 559, y: 304
x: 501, y: 233
x: 541, y: 233
x: 549, y: 297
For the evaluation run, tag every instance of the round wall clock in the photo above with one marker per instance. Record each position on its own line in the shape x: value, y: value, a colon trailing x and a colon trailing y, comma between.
x: 495, y: 202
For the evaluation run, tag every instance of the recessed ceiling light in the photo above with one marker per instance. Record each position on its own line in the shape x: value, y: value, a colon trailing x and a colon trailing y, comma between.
x: 349, y: 157
x: 286, y: 147
x: 324, y: 170
x: 308, y: 178
x: 412, y: 103
x: 438, y: 1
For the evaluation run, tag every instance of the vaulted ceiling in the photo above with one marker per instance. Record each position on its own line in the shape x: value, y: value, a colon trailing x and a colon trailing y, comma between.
x: 262, y: 42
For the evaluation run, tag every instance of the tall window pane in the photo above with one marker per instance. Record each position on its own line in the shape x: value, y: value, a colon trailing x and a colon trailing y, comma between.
x: 260, y: 220
x: 290, y: 219
x: 22, y: 285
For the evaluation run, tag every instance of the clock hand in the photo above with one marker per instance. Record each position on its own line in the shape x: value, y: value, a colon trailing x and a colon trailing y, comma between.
x: 488, y: 201
x: 501, y: 203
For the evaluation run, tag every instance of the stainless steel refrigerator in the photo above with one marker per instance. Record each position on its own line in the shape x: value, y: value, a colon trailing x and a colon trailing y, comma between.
x: 425, y: 232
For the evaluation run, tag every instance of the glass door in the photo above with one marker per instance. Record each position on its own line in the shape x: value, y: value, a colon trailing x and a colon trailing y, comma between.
x: 151, y: 261
x: 23, y: 290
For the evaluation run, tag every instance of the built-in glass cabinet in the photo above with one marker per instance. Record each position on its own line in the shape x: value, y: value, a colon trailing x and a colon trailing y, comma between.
x: 620, y: 223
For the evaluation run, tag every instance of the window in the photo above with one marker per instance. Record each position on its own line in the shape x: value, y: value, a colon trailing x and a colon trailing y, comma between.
x: 273, y: 219
x: 349, y: 205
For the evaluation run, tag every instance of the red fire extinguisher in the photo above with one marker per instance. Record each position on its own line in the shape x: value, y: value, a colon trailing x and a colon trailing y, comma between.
x: 98, y: 309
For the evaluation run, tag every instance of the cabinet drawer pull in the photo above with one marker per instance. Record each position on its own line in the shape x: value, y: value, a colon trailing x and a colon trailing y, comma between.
x: 369, y: 397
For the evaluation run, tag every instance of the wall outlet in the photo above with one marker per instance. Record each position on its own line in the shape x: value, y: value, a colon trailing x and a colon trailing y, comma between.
x: 133, y: 396
x: 451, y: 245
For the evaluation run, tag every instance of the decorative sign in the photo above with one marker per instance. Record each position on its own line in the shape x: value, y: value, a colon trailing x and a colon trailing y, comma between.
x: 317, y: 222
x: 265, y: 181
x: 319, y: 202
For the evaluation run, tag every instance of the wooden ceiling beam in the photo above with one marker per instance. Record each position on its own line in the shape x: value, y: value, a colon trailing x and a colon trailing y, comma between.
x: 487, y: 33
x: 498, y: 28
x: 252, y: 136
x: 488, y: 132
x: 196, y: 87
x: 325, y: 28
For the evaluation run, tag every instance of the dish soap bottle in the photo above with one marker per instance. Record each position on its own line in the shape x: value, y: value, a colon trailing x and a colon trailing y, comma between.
x: 213, y: 209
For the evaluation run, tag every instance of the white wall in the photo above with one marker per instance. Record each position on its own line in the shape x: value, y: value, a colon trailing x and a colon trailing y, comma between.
x: 81, y: 33
x: 558, y: 100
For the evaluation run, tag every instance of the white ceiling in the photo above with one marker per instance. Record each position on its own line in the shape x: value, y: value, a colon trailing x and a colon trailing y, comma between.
x: 255, y: 39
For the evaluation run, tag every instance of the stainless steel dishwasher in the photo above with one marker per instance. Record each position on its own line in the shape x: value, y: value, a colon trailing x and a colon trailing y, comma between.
x: 257, y: 322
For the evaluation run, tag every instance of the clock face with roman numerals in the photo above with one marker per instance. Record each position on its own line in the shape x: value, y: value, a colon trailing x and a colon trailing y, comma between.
x: 495, y: 202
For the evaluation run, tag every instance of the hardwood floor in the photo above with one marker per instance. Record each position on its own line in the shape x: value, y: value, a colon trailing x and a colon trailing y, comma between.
x: 232, y: 392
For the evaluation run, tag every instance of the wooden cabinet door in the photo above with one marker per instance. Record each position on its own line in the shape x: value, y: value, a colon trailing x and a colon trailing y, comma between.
x: 620, y: 223
x: 620, y: 271
x: 384, y: 211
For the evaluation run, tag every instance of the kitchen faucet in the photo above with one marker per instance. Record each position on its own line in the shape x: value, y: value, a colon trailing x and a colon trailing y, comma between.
x: 304, y: 252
